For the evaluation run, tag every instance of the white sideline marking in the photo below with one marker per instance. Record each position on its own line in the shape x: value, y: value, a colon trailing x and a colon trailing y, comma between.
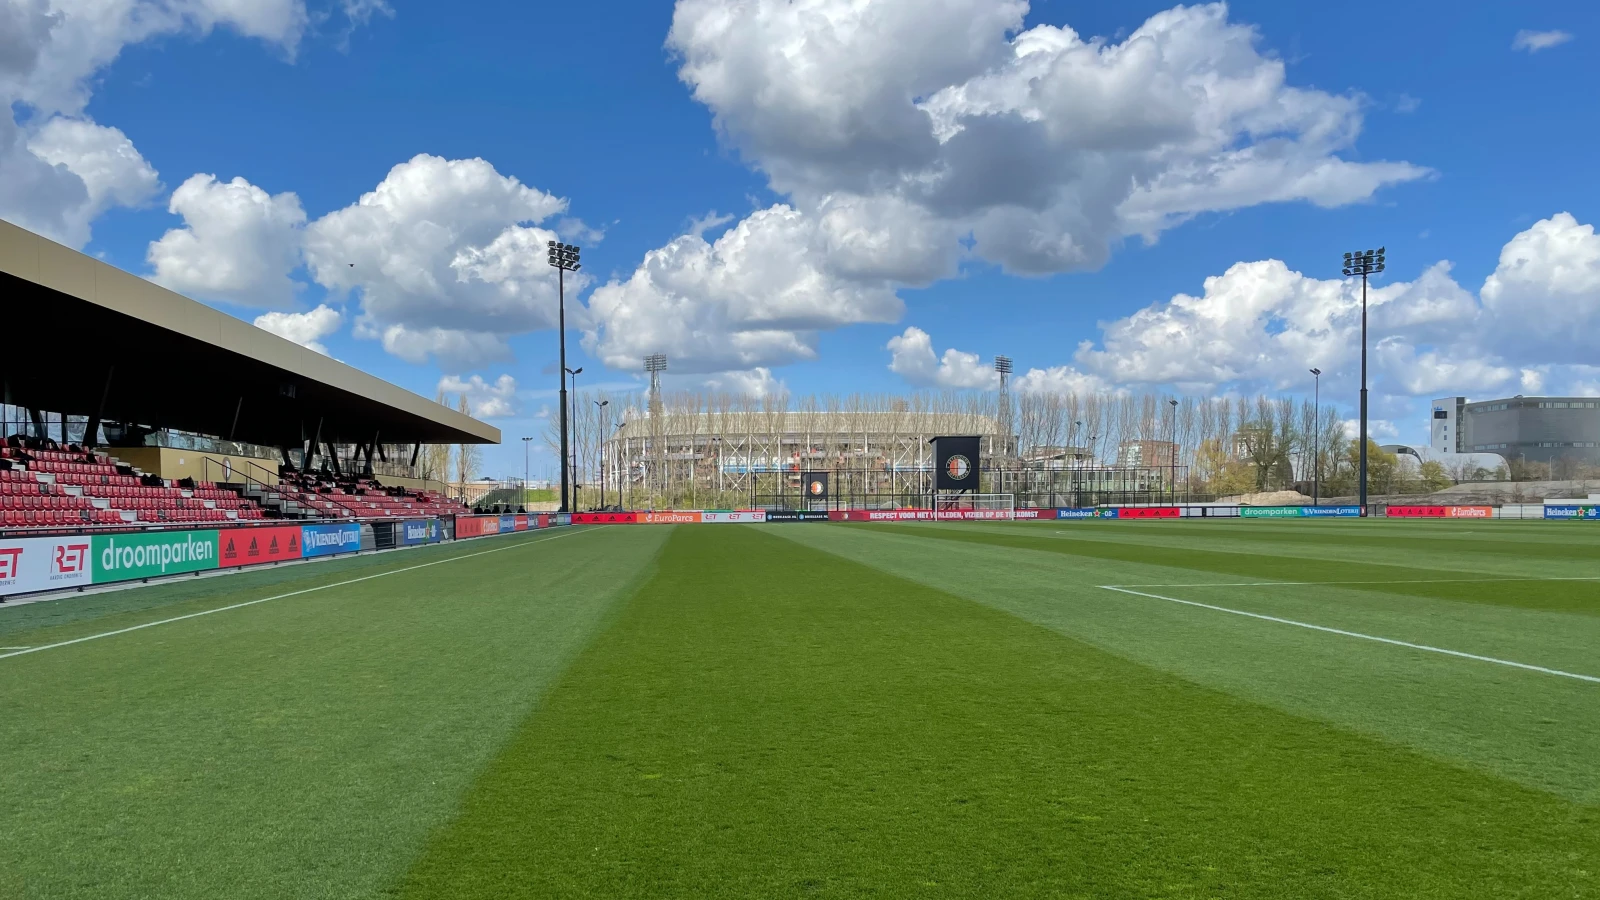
x: 23, y: 651
x: 1326, y: 583
x: 1365, y: 637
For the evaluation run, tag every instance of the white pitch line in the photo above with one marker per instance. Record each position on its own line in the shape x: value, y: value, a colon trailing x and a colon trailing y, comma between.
x: 95, y: 637
x: 1365, y: 637
x: 13, y: 648
x: 1330, y: 583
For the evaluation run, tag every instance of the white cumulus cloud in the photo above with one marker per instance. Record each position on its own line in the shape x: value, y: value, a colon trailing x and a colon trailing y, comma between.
x: 447, y: 259
x: 238, y: 244
x: 912, y: 357
x: 304, y: 328
x: 912, y: 135
x: 497, y: 400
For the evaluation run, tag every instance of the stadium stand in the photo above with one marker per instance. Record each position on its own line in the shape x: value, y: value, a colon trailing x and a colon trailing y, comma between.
x: 153, y: 363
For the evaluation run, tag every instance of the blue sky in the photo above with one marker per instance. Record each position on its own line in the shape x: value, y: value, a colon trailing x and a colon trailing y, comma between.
x: 1441, y: 134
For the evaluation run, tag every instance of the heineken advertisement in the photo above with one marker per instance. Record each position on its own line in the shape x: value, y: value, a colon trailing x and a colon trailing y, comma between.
x: 123, y: 557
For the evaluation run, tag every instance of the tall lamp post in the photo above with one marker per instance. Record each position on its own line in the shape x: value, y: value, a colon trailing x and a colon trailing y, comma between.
x: 563, y: 258
x: 1364, y: 263
x: 572, y: 466
x: 1316, y: 438
x: 605, y: 430
x: 1172, y: 448
x: 523, y: 500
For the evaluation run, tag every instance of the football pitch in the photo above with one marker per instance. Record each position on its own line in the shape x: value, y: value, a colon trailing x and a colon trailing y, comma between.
x: 1188, y: 709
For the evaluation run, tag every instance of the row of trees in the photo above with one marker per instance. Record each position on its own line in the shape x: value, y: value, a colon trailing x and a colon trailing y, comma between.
x: 460, y: 463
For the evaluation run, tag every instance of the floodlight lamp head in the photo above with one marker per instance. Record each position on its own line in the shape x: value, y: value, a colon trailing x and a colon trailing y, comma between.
x: 1002, y: 364
x: 1317, y: 372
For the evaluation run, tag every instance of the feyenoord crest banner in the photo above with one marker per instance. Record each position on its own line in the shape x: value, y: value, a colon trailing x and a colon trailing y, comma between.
x: 956, y: 461
x: 814, y: 485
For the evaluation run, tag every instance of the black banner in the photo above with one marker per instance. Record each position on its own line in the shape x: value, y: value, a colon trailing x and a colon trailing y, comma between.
x: 797, y: 515
x: 956, y: 459
x: 814, y: 485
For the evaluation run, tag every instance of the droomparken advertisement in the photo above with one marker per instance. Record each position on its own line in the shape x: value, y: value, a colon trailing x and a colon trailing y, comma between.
x: 121, y: 557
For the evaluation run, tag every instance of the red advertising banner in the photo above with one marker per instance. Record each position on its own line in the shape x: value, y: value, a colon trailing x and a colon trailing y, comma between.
x: 544, y: 521
x: 1441, y: 512
x: 605, y: 518
x: 669, y: 518
x: 522, y: 523
x: 1149, y: 512
x: 1419, y: 512
x: 476, y: 526
x: 252, y: 546
x: 1031, y: 514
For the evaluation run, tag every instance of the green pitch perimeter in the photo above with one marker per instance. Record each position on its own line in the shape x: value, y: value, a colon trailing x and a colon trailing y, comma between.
x: 1084, y: 709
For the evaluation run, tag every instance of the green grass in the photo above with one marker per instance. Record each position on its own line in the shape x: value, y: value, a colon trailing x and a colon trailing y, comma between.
x: 831, y: 711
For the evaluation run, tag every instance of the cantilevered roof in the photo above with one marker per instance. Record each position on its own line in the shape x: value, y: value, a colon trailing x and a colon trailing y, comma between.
x: 78, y: 336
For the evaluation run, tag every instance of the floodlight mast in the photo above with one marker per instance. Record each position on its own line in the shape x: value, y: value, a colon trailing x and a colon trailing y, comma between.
x: 1363, y: 263
x: 563, y: 258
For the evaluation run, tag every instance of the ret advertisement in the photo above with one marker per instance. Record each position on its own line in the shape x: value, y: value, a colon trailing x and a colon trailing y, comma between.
x: 249, y: 546
x: 121, y: 557
x: 326, y: 540
x: 1572, y: 512
x: 45, y: 564
x: 797, y: 515
x: 740, y: 515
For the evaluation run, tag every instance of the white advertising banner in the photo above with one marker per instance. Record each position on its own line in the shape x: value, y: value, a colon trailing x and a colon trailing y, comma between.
x: 758, y: 515
x: 44, y: 564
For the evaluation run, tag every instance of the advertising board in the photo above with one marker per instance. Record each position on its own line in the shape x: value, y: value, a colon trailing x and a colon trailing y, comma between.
x: 419, y: 531
x: 1271, y: 512
x: 669, y: 518
x: 520, y: 523
x: 562, y: 520
x: 508, y: 524
x: 544, y: 521
x: 249, y: 546
x: 602, y: 518
x: 1441, y: 512
x: 326, y: 540
x: 1032, y: 514
x: 1149, y: 512
x: 45, y: 564
x: 1572, y: 512
x: 741, y: 515
x: 797, y: 515
x: 1331, y: 512
x: 121, y: 557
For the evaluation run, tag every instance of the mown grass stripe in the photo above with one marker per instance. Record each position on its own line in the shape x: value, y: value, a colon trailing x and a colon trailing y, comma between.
x: 24, y: 651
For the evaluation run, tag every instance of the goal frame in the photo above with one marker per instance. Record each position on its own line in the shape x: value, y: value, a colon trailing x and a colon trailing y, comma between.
x: 974, y: 507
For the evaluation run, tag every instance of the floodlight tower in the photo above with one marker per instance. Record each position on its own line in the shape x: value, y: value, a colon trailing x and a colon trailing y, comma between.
x: 564, y: 259
x: 1002, y: 365
x: 1363, y: 263
x: 655, y: 364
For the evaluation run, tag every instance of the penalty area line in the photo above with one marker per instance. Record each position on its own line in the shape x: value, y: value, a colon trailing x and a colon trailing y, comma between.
x: 24, y: 651
x: 1365, y: 637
